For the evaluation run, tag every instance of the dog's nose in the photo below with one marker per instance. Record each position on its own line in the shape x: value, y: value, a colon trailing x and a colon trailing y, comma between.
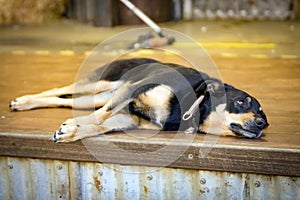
x: 260, y: 123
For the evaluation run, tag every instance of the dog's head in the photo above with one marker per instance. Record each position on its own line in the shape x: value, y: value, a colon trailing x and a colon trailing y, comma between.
x: 244, y: 115
x: 241, y: 114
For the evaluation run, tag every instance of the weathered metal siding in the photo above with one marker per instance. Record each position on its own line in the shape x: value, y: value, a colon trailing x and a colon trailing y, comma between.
x: 33, y: 179
x: 239, y: 9
x: 24, y: 178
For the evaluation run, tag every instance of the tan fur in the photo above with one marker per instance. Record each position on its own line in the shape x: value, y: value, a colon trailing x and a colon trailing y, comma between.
x: 50, y: 98
x: 155, y: 103
x: 73, y: 131
x: 214, y: 123
x: 218, y: 122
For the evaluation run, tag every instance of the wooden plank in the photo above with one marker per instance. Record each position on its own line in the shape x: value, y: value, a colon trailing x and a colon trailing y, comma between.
x: 274, y: 82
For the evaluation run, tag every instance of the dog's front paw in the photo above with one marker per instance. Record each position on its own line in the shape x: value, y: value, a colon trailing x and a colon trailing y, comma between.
x: 66, y: 133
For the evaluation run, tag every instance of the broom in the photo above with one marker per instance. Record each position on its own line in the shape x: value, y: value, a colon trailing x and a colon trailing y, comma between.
x: 148, y: 40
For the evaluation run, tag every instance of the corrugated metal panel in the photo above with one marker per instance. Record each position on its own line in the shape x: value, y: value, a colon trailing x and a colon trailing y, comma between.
x: 33, y: 179
x: 24, y: 178
x: 238, y: 9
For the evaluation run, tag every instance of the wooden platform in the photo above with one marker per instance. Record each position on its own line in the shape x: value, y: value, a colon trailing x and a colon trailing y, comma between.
x: 274, y: 82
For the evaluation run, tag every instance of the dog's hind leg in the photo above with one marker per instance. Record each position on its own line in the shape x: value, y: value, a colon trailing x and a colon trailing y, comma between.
x: 83, y: 102
x: 50, y: 98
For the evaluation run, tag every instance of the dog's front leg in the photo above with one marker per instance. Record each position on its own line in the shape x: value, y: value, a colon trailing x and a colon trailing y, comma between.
x: 80, y: 127
x: 87, y: 126
x: 90, y: 124
x: 70, y: 133
x: 118, y: 122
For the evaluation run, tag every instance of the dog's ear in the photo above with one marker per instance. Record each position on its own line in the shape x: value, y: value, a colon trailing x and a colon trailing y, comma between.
x: 212, y: 86
x: 244, y: 103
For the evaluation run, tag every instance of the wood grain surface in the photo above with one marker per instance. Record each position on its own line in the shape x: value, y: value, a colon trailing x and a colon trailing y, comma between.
x: 274, y: 82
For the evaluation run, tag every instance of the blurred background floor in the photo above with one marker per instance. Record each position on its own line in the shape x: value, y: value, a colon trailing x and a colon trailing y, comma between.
x: 220, y: 38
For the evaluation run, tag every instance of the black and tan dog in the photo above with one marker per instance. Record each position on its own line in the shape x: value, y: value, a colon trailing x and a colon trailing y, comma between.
x: 147, y: 94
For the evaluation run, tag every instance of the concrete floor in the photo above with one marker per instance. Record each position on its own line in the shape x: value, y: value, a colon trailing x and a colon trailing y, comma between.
x: 225, y: 38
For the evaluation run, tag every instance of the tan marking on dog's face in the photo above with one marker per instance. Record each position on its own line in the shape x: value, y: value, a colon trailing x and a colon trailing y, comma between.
x: 238, y: 118
x: 218, y: 122
x: 155, y: 103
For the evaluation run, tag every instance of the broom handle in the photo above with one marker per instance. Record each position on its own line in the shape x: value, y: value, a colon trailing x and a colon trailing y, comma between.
x: 143, y: 17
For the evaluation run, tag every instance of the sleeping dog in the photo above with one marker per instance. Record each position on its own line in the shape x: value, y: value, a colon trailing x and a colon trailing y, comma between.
x: 147, y: 94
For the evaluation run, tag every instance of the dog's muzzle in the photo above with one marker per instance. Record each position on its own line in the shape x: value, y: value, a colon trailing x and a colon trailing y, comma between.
x: 250, y: 129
